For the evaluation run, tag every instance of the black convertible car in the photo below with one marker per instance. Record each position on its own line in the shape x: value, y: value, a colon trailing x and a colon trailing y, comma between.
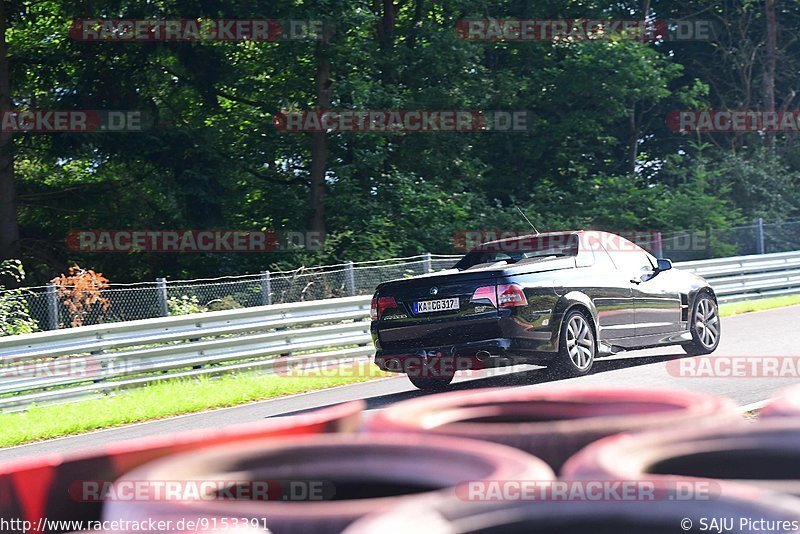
x: 556, y: 299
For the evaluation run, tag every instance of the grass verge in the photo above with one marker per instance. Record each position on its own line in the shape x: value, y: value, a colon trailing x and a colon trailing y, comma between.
x: 181, y: 396
x: 167, y: 398
x: 735, y: 308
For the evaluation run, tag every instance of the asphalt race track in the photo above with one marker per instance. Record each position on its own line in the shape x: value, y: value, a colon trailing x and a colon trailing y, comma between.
x: 767, y: 333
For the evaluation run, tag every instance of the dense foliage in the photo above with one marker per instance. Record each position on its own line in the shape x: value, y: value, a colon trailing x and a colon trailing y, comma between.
x: 598, y: 152
x: 15, y: 316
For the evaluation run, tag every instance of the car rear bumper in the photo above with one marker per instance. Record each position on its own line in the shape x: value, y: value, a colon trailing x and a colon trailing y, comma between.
x: 469, y: 355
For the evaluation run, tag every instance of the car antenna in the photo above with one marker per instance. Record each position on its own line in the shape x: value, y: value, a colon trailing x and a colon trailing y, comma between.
x: 526, y: 218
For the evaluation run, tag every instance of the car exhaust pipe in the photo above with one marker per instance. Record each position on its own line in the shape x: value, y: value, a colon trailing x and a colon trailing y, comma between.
x: 393, y: 364
x: 482, y: 355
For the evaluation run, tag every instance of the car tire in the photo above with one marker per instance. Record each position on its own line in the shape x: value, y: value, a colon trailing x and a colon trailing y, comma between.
x: 577, y: 346
x: 439, y: 383
x: 704, y: 326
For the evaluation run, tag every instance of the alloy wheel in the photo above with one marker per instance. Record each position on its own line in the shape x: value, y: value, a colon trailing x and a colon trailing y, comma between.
x: 706, y: 322
x: 580, y: 342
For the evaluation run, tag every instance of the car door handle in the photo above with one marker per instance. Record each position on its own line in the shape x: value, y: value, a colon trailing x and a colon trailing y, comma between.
x: 636, y: 281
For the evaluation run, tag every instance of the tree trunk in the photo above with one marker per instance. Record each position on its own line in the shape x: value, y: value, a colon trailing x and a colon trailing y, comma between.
x: 769, y: 64
x: 419, y: 11
x: 388, y: 13
x: 319, y: 143
x: 387, y: 16
x: 633, y: 119
x: 9, y: 226
x: 633, y: 140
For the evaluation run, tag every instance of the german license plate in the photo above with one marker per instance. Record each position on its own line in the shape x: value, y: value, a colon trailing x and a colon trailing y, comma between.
x: 428, y: 306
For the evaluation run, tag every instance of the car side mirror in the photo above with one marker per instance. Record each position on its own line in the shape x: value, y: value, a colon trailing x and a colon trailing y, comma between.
x: 663, y: 265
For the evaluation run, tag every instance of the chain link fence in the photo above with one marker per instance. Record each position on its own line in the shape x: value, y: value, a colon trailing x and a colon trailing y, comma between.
x: 128, y: 302
x: 758, y: 238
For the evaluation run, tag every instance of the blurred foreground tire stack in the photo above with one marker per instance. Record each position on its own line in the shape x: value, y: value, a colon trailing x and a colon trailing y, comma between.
x: 406, y: 467
x: 552, y: 424
x: 48, y: 487
x: 786, y: 404
x: 667, y: 514
x: 360, y: 475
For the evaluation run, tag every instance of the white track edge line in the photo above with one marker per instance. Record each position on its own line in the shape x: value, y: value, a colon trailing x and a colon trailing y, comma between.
x: 754, y: 405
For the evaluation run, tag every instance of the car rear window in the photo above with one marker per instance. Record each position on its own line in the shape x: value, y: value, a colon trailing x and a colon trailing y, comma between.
x: 520, y: 249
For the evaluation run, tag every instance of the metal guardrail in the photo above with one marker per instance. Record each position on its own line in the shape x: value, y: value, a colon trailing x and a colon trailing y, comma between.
x: 102, y: 359
x: 749, y: 277
x: 64, y: 365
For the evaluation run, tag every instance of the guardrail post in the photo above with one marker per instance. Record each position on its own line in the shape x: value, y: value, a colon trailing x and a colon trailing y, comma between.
x: 426, y: 263
x: 161, y: 291
x: 349, y: 278
x: 52, y: 307
x: 760, y: 236
x: 266, y: 288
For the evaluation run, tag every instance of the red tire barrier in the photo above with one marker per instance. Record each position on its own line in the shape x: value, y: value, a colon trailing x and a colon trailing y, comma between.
x: 764, y: 454
x: 786, y: 404
x: 44, y: 487
x: 551, y: 424
x: 353, y: 476
x: 666, y: 514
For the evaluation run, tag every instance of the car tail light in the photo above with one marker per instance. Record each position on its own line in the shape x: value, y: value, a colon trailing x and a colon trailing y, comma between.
x: 487, y: 293
x: 510, y: 295
x: 373, y: 309
x: 379, y: 305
